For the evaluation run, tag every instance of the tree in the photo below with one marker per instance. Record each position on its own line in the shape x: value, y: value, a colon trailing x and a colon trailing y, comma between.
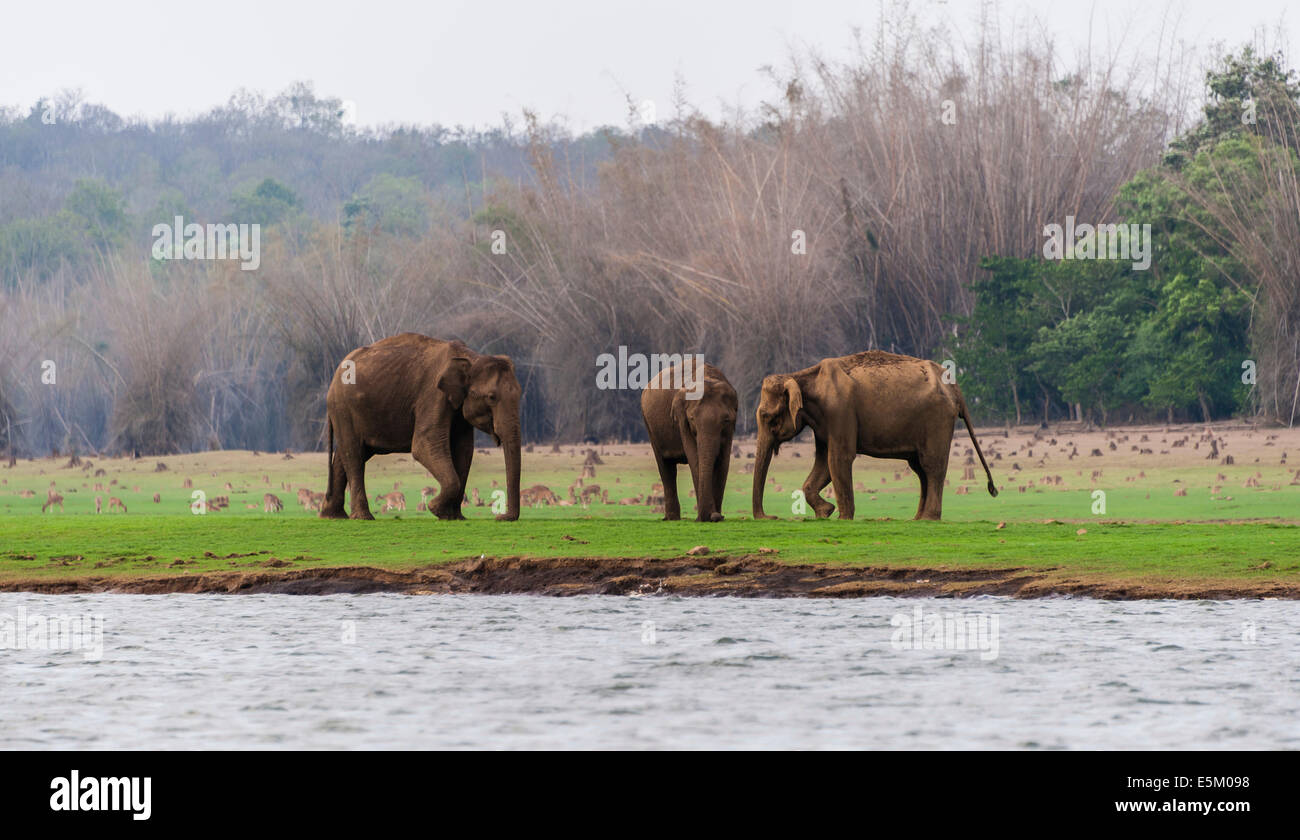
x: 1246, y: 93
x: 992, y: 352
x: 266, y: 204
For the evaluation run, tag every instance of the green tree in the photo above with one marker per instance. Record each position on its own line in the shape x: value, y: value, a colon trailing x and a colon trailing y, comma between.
x: 992, y: 350
x: 266, y: 204
x: 1245, y: 93
x: 101, y: 212
x: 393, y: 204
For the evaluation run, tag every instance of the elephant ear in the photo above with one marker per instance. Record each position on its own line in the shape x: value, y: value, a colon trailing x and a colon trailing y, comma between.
x: 678, y: 408
x: 796, y: 399
x: 454, y: 381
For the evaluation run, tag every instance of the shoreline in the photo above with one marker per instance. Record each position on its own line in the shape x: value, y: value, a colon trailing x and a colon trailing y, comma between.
x: 748, y: 576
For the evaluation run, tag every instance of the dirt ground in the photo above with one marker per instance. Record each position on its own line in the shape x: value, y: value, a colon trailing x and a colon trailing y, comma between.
x: 746, y: 577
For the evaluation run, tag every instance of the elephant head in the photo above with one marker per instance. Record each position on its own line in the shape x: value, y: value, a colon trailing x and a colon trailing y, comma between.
x: 780, y: 416
x: 710, y: 421
x: 487, y: 394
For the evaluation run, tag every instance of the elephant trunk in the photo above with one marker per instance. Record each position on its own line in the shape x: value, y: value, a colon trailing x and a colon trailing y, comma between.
x: 706, y: 453
x: 510, y: 446
x: 761, y: 461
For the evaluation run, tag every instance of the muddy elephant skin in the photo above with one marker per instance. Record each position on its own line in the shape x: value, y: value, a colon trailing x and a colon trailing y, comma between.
x: 873, y: 403
x: 411, y: 393
x: 693, y: 425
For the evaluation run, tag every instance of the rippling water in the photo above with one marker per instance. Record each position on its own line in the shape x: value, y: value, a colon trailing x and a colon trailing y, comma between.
x: 395, y: 671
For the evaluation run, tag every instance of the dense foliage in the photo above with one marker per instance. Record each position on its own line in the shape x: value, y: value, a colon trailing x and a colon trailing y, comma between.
x: 897, y: 200
x: 1209, y: 330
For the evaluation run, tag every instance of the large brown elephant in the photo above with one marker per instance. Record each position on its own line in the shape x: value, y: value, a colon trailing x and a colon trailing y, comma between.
x: 694, y: 431
x: 412, y: 393
x: 872, y: 403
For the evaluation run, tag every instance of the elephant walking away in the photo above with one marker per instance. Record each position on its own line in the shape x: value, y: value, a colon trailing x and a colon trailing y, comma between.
x: 692, y: 431
x: 872, y: 403
x: 411, y: 393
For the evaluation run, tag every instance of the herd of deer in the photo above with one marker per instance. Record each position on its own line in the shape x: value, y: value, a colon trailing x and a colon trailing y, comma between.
x: 583, y: 494
x: 54, y: 498
x: 580, y: 494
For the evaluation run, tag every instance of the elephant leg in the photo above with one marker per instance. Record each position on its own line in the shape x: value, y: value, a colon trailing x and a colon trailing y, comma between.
x: 434, y: 454
x: 935, y: 471
x: 840, y: 460
x: 914, y: 461
x: 720, y: 474
x: 462, y: 455
x: 338, y: 480
x: 693, y: 461
x: 818, y: 478
x: 354, y: 464
x: 668, y: 477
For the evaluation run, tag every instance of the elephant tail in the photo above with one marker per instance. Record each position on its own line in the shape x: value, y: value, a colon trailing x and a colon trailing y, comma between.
x: 970, y: 429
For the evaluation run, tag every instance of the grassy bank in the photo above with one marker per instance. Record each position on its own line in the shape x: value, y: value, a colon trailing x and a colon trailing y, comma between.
x: 1153, y: 553
x: 1172, y: 522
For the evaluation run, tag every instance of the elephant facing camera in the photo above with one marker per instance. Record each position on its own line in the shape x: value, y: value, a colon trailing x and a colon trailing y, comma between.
x: 411, y: 393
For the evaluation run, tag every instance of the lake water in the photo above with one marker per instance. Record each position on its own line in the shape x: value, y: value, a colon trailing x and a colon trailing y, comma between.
x: 466, y: 671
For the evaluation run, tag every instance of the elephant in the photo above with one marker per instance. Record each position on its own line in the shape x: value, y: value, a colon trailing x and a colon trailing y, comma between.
x: 411, y: 393
x: 692, y: 431
x: 873, y: 403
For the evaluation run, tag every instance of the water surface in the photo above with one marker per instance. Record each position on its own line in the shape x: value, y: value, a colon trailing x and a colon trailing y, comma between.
x: 465, y: 671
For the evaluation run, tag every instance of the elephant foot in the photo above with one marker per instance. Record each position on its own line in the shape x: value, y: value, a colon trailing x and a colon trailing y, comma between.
x: 715, y: 517
x: 672, y: 517
x: 764, y: 516
x: 362, y: 514
x: 824, y: 510
x: 333, y: 514
x: 448, y: 515
x: 505, y: 517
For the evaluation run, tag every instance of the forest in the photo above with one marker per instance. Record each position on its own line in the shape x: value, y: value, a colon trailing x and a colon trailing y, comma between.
x: 897, y: 199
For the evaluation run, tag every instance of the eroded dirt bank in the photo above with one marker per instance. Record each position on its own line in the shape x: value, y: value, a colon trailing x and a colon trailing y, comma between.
x: 749, y: 577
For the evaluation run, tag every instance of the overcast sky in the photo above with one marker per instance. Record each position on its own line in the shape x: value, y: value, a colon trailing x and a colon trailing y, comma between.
x: 459, y: 62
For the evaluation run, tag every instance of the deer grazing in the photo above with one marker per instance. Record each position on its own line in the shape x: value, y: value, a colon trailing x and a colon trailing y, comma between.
x: 391, y: 501
x: 310, y: 500
x: 271, y: 503
x: 538, y: 494
x: 115, y: 502
x: 52, y: 498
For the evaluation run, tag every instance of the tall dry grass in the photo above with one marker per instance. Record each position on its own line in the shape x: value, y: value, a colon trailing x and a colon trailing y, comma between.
x: 900, y: 168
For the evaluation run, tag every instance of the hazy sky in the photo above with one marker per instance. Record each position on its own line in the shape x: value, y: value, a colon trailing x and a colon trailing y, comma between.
x: 455, y: 62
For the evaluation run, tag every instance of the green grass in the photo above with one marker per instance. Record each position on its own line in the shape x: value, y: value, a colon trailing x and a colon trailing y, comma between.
x: 53, y: 547
x: 1146, y: 533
